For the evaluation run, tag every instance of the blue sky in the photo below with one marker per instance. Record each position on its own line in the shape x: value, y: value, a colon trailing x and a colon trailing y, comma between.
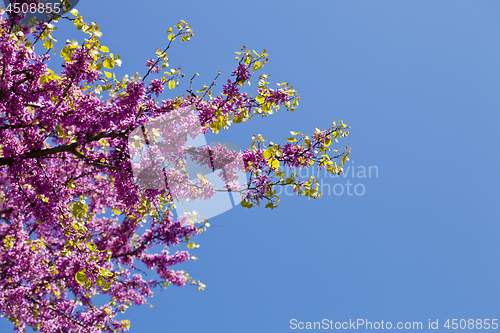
x: 418, y: 83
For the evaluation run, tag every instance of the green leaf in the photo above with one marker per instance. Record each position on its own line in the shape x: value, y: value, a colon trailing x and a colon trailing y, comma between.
x: 105, y: 272
x: 291, y: 140
x: 104, y: 49
x: 71, y: 184
x: 106, y: 286
x: 80, y: 277
x: 100, y: 281
x: 271, y: 205
x: 307, y: 142
x: 246, y: 204
x: 79, y: 209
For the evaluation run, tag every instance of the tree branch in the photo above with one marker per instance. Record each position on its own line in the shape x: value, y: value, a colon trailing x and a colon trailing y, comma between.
x: 65, y: 148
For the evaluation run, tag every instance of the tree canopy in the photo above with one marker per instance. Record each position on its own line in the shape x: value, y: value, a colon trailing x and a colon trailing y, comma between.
x: 74, y: 220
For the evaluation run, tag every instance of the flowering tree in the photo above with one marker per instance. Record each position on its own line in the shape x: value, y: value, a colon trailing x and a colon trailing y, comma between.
x: 71, y: 211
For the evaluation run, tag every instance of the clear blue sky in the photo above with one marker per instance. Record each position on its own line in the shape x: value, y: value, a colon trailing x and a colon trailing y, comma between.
x: 419, y: 84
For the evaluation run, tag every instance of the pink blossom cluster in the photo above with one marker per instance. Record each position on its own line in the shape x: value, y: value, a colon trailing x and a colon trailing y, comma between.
x: 151, y: 64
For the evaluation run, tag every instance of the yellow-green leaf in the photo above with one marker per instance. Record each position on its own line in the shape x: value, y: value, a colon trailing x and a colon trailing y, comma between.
x: 273, y: 163
x: 260, y: 99
x: 108, y: 74
x: 79, y: 209
x: 80, y: 277
x: 246, y: 204
x: 171, y: 37
x: 126, y: 323
x: 104, y: 49
x: 171, y: 84
x: 256, y: 66
x: 268, y: 153
x: 108, y: 63
x: 100, y: 281
x: 48, y: 44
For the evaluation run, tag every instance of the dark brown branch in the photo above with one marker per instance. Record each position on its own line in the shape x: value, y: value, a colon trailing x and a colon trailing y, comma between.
x: 65, y: 148
x: 83, y: 157
x: 15, y: 126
